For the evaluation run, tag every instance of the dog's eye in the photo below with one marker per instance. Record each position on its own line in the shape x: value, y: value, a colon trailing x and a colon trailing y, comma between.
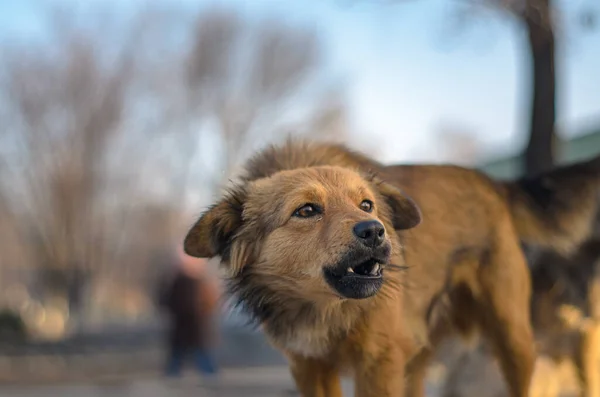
x: 366, y: 206
x: 307, y: 210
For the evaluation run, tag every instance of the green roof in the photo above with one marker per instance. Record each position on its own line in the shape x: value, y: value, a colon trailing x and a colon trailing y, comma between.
x: 579, y: 148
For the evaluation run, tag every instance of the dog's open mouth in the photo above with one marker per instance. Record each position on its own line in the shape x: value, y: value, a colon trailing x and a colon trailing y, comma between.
x: 358, y: 280
x: 368, y: 268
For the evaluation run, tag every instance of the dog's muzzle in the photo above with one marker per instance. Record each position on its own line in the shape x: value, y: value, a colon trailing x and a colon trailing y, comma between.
x: 359, y: 274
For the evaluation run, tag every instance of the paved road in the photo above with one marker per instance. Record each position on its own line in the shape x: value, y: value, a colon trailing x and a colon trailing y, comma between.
x: 248, y: 382
x: 239, y: 347
x: 130, y: 353
x: 252, y: 382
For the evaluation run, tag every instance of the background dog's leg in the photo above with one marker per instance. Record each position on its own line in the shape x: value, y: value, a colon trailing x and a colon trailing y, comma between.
x: 315, y: 378
x: 416, y: 372
x: 503, y: 307
x: 588, y: 360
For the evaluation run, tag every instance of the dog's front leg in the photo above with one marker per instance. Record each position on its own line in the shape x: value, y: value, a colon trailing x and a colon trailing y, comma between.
x: 315, y: 378
x: 382, y: 376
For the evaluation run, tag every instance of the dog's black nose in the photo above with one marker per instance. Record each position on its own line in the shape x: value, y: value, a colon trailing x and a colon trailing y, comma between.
x: 370, y: 233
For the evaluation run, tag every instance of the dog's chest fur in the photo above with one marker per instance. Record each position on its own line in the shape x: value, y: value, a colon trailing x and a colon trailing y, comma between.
x: 312, y: 336
x: 305, y: 341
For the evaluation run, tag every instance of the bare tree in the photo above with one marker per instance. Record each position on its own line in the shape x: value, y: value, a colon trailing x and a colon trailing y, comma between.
x: 66, y: 108
x: 94, y: 131
x: 245, y: 79
x: 542, y: 22
x: 540, y: 18
x: 539, y: 152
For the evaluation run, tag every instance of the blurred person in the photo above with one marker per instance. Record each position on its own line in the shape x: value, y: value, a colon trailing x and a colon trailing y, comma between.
x: 190, y: 298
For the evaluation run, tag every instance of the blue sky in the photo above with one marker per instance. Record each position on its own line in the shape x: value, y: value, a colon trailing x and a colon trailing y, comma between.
x: 409, y: 75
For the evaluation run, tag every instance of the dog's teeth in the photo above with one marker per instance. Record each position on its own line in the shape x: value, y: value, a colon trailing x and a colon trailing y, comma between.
x: 349, y: 270
x: 375, y: 269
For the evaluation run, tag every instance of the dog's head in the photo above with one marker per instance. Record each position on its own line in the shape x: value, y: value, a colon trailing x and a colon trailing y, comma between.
x: 314, y: 232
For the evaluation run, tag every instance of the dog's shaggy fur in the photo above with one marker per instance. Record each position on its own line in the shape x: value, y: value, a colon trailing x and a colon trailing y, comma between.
x: 566, y: 311
x: 354, y: 267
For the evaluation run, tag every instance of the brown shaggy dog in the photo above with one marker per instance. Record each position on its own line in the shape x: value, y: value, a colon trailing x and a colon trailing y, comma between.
x: 353, y: 267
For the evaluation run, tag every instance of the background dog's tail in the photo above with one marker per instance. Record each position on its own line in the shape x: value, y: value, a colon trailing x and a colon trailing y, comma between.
x: 557, y: 209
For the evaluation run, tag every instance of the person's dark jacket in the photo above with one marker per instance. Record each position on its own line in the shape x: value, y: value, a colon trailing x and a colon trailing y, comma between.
x: 182, y: 301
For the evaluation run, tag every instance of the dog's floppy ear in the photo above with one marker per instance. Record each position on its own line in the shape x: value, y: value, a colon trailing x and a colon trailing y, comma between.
x: 212, y: 235
x: 405, y: 214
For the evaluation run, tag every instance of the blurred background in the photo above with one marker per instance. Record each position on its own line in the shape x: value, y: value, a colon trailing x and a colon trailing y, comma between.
x: 120, y: 121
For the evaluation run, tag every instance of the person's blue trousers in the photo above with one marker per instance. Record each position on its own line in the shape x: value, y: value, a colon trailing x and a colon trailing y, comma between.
x: 203, y: 361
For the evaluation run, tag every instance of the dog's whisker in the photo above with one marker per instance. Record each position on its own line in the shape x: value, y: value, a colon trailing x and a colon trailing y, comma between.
x: 393, y: 267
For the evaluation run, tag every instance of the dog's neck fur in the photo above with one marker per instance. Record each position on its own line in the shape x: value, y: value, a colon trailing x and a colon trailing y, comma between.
x: 292, y: 322
x: 318, y: 331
